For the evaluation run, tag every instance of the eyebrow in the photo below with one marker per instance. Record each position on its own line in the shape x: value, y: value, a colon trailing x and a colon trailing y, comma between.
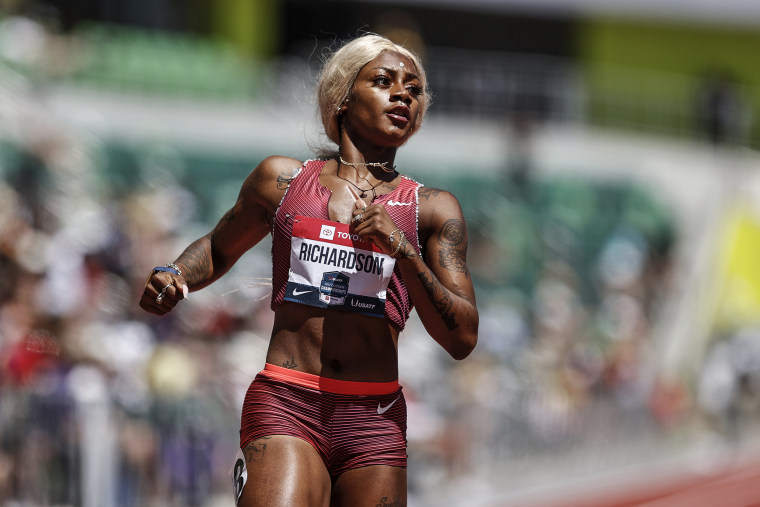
x: 411, y: 75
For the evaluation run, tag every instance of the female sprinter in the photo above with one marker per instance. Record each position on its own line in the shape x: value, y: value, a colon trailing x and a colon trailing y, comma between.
x: 355, y: 245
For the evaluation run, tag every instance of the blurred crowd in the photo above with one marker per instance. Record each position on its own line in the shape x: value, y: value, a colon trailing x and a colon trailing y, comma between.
x: 102, y: 404
x: 99, y: 400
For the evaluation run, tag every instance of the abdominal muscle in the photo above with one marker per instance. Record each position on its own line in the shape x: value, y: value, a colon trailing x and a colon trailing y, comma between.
x: 334, y: 344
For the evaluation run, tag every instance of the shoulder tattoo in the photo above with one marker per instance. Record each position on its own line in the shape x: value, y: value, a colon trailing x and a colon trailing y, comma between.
x: 428, y: 192
x: 284, y: 180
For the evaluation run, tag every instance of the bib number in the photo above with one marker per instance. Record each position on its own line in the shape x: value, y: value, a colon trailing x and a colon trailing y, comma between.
x: 239, y: 478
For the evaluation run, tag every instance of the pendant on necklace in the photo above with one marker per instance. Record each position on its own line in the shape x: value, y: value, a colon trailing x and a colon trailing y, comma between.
x: 363, y: 194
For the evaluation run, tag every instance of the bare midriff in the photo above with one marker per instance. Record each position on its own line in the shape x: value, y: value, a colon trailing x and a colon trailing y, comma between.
x: 334, y: 344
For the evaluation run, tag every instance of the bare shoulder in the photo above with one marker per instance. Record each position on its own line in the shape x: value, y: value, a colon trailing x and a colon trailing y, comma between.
x: 440, y: 217
x: 275, y: 168
x: 437, y: 205
x: 268, y: 181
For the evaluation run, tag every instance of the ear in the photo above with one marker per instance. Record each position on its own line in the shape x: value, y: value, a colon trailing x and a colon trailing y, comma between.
x: 342, y: 108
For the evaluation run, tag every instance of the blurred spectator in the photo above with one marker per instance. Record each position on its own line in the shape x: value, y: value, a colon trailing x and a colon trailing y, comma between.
x: 521, y: 126
x: 722, y: 115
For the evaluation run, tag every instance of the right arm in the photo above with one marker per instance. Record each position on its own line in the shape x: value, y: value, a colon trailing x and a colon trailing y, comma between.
x: 243, y: 226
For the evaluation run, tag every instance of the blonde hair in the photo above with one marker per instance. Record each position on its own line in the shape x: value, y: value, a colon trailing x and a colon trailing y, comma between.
x: 343, y: 66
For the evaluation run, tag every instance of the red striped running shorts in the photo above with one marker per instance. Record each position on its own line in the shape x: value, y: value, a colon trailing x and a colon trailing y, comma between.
x: 350, y: 424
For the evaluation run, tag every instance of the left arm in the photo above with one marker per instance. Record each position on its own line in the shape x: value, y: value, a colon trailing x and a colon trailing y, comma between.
x: 440, y: 284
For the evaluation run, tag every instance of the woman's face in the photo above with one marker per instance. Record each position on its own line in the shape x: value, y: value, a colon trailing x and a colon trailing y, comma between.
x: 384, y: 102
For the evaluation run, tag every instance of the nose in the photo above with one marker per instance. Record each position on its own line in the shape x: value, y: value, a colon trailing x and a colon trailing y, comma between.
x: 399, y: 92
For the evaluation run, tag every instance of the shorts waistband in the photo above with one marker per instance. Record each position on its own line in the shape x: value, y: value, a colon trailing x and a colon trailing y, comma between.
x: 329, y: 385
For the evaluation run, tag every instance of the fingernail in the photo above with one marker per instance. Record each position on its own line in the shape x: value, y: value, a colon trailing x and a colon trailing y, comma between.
x: 185, y: 291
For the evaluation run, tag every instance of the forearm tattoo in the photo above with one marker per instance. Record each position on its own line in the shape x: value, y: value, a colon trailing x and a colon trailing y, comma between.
x: 227, y: 218
x: 453, y: 240
x: 197, y: 260
x: 197, y: 263
x: 440, y: 298
x: 407, y: 250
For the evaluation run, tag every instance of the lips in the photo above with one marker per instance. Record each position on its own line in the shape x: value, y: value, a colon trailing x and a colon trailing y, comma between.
x: 399, y: 113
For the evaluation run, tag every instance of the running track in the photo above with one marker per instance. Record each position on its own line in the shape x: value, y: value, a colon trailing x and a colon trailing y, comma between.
x: 728, y: 485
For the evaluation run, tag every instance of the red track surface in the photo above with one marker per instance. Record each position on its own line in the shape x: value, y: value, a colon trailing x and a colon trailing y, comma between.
x: 731, y: 485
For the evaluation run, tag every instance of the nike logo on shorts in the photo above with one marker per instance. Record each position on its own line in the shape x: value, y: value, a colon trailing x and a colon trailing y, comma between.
x: 382, y: 409
x: 297, y: 292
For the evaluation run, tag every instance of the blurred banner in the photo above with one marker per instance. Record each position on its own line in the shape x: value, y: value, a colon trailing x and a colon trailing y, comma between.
x: 250, y: 25
x: 738, y: 291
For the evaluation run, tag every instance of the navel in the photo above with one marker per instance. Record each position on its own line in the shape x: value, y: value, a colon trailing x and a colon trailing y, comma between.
x: 336, y: 366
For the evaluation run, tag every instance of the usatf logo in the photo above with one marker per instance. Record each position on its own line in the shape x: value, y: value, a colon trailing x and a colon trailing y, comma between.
x: 327, y: 232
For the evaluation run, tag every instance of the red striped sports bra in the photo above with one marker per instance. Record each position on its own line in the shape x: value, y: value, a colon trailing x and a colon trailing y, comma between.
x: 306, y: 197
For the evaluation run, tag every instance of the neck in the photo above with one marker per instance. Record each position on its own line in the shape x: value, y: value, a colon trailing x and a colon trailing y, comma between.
x: 369, y: 166
x: 370, y: 175
x: 360, y: 155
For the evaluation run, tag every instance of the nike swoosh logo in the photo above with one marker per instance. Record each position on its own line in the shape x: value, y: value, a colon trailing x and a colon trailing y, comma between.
x: 382, y: 409
x: 397, y: 203
x: 297, y: 292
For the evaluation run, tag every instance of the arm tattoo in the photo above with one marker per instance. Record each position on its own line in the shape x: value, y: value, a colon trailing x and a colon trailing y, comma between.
x: 283, y: 181
x: 441, y: 299
x: 227, y: 218
x: 407, y: 250
x: 427, y: 192
x: 197, y: 263
x: 453, y: 238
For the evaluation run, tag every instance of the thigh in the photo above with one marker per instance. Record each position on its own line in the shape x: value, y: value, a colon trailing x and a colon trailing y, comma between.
x: 372, y: 486
x: 284, y: 471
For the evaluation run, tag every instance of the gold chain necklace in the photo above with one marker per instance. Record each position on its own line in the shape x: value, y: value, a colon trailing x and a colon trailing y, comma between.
x: 381, y: 165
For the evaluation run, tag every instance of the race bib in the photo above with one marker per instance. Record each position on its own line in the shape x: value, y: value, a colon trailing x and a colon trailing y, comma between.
x: 332, y: 267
